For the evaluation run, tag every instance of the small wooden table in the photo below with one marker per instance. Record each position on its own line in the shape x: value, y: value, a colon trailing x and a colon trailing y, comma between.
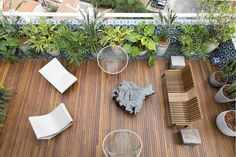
x: 190, y: 136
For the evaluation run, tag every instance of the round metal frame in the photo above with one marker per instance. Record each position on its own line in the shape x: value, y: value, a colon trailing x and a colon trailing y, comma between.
x: 113, y: 73
x: 122, y: 130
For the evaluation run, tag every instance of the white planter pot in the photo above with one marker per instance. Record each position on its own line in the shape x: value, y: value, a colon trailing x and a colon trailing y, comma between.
x: 142, y: 52
x: 161, y: 49
x: 54, y: 53
x: 221, y: 125
x: 212, y: 46
x: 214, y: 82
x: 221, y: 98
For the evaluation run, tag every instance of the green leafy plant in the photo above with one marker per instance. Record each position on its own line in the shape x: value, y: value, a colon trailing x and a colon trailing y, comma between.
x: 142, y: 38
x: 73, y: 43
x: 194, y: 40
x: 220, y: 15
x: 130, y: 6
x: 9, y: 38
x: 9, y: 35
x: 114, y: 36
x: 230, y: 68
x: 41, y: 36
x: 165, y: 24
x: 4, y: 98
x: 152, y: 58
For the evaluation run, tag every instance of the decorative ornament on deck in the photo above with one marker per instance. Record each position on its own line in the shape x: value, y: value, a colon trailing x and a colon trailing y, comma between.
x: 130, y: 97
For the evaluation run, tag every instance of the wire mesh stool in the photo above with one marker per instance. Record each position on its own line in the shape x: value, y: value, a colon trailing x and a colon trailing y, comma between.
x: 122, y: 143
x: 112, y: 59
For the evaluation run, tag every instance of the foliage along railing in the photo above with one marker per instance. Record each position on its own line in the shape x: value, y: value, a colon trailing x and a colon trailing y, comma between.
x: 112, y: 19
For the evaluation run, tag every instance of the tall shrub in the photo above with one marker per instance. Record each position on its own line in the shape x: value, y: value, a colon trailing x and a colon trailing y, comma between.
x: 104, y: 3
x: 130, y: 6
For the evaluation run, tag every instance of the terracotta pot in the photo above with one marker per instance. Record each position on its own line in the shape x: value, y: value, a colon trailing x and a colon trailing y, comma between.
x: 212, y: 46
x: 214, y: 82
x: 161, y: 48
x: 222, y: 126
x: 221, y: 98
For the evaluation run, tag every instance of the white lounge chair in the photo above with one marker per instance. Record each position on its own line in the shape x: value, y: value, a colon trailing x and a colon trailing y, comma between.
x: 57, y: 75
x: 49, y: 125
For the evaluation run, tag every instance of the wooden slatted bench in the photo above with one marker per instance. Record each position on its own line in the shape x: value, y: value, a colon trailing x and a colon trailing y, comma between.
x: 184, y: 113
x: 179, y: 81
x: 183, y: 109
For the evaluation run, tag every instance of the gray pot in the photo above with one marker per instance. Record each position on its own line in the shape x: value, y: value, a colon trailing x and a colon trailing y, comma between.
x: 212, y: 46
x: 117, y: 50
x: 214, y: 82
x: 54, y: 53
x: 161, y: 49
x: 94, y: 54
x: 221, y: 124
x: 25, y: 48
x: 142, y: 52
x: 221, y: 98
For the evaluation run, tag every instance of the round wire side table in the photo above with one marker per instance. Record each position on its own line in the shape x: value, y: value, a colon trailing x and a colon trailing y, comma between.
x: 112, y: 59
x: 122, y: 143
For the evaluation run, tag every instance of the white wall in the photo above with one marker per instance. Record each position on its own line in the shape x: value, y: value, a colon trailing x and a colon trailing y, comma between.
x: 1, y: 5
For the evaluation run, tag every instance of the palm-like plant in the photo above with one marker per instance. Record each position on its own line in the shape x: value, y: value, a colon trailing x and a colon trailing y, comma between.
x: 91, y: 25
x: 9, y: 35
x: 73, y: 43
x: 165, y: 24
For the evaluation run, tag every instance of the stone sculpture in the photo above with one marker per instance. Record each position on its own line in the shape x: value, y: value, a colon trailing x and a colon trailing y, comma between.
x: 130, y: 97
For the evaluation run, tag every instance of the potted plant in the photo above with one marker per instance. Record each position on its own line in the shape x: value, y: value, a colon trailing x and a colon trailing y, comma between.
x: 90, y: 27
x: 141, y: 39
x: 40, y: 37
x: 193, y: 39
x: 74, y: 43
x: 226, y: 122
x: 220, y: 78
x: 165, y: 24
x: 219, y: 15
x: 9, y: 37
x: 227, y: 93
x: 114, y: 36
x: 4, y: 98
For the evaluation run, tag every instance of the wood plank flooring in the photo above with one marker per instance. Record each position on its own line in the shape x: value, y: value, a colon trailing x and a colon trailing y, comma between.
x: 95, y: 114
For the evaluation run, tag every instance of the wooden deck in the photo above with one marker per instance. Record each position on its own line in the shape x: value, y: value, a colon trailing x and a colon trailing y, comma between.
x: 95, y: 114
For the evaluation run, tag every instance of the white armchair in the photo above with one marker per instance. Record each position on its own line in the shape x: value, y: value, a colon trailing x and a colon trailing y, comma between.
x: 49, y: 125
x: 57, y: 75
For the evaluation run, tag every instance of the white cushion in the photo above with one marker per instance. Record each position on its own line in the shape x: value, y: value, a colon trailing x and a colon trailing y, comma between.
x: 57, y: 75
x: 51, y: 124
